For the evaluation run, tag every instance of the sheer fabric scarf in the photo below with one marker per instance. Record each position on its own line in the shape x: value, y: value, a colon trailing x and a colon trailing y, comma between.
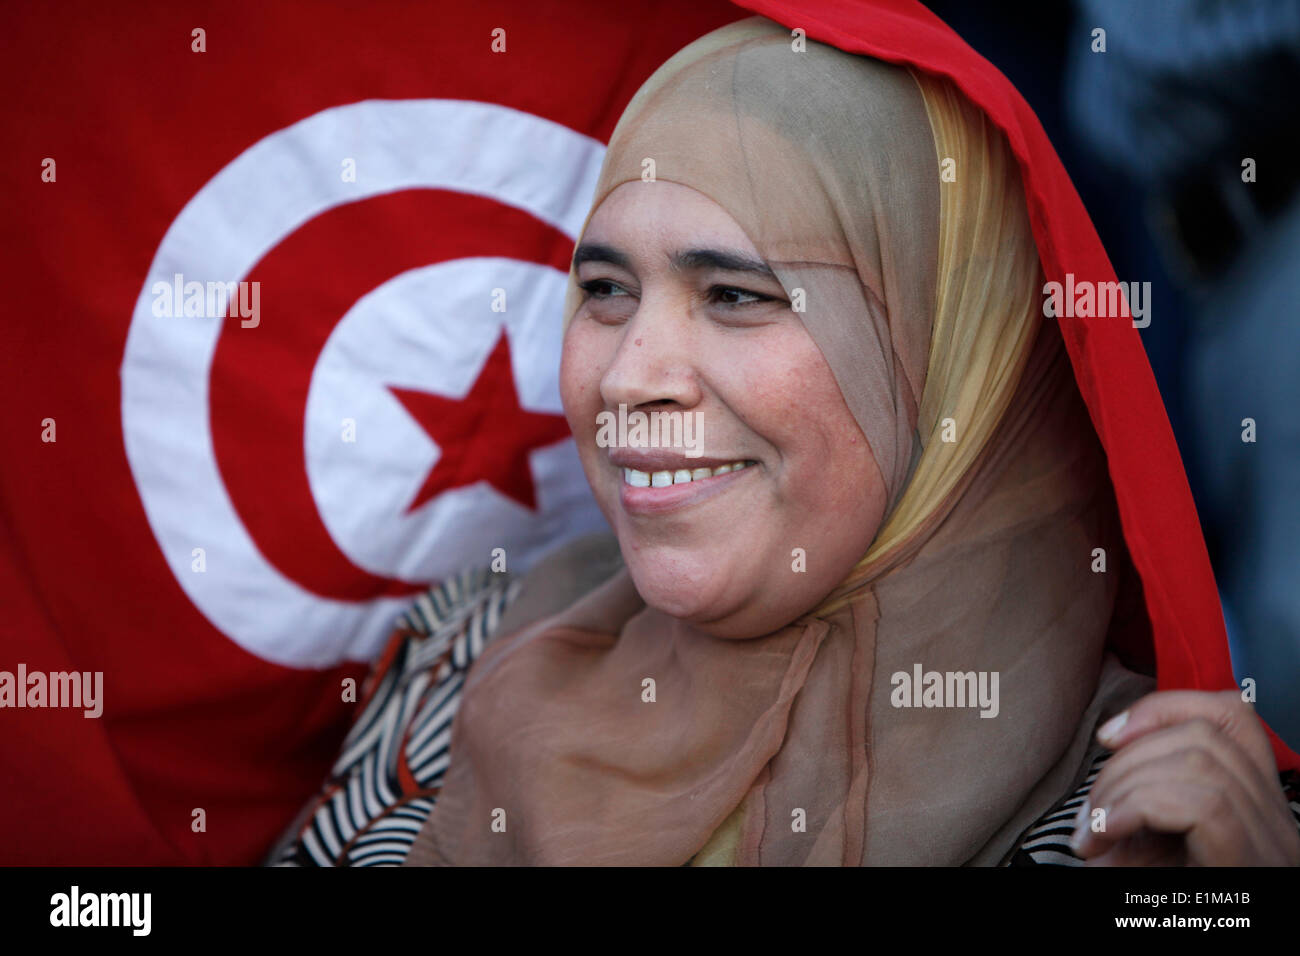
x: 921, y: 291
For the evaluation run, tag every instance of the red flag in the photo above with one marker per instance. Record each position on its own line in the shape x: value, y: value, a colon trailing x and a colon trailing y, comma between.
x: 280, y: 350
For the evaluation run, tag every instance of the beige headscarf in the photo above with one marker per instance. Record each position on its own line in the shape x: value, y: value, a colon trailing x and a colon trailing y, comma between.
x: 789, y: 748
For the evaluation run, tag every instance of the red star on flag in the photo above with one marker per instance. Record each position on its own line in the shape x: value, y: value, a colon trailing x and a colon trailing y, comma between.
x: 485, y: 436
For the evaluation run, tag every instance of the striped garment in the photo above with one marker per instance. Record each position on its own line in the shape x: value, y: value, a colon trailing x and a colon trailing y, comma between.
x: 387, y: 778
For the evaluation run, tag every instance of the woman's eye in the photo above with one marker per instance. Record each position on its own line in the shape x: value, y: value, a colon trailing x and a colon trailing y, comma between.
x: 601, y: 288
x: 731, y: 296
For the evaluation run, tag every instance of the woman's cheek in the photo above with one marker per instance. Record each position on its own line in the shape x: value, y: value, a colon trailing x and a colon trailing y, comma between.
x: 803, y: 417
x: 580, y: 376
x: 581, y: 371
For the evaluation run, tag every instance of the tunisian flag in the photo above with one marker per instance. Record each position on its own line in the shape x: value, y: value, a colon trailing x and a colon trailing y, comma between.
x: 279, y: 350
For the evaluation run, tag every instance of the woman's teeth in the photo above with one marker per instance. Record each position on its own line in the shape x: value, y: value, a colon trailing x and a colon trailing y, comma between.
x: 661, y: 479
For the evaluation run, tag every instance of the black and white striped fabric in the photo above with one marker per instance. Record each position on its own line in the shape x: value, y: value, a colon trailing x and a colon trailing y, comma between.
x: 385, y: 781
x: 388, y: 776
x: 1047, y: 842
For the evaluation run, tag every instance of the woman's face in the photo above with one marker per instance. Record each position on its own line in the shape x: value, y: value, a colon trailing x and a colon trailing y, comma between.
x: 679, y: 314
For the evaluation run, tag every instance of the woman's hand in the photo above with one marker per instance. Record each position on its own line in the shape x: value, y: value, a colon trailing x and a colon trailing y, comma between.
x: 1191, y: 783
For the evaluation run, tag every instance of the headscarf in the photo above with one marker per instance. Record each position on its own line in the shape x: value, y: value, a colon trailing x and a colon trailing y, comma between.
x: 1175, y: 624
x: 923, y: 296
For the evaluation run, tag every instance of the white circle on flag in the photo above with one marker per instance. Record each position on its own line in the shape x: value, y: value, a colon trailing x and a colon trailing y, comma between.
x: 436, y: 324
x: 250, y: 206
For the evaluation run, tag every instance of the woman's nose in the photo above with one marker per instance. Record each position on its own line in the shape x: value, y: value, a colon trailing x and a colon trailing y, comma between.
x: 656, y: 358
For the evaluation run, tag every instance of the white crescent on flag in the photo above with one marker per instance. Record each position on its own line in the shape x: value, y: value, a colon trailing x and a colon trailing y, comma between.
x: 431, y: 326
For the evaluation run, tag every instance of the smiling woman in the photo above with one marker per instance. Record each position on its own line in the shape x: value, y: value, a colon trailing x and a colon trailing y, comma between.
x: 766, y: 710
x: 678, y: 311
x: 881, y: 619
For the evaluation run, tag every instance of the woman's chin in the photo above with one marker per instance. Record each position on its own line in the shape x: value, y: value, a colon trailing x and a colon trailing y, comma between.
x: 710, y: 605
x: 664, y: 597
x: 683, y: 594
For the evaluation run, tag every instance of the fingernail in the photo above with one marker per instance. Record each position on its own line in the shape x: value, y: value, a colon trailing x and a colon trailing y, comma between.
x: 1111, y: 728
x: 1081, y: 826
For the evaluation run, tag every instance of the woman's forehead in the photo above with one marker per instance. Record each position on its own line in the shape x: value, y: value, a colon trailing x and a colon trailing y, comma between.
x: 637, y: 215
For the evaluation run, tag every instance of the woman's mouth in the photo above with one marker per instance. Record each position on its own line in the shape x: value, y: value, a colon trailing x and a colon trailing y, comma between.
x: 662, y: 479
x: 651, y: 492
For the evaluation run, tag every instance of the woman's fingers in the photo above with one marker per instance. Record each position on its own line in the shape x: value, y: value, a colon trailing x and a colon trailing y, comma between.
x: 1192, y: 779
x: 1225, y: 709
x: 1187, y: 793
x: 1206, y: 816
x: 1203, y: 748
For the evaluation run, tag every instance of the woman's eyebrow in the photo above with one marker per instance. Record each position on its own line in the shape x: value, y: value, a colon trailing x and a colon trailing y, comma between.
x: 725, y: 260
x: 599, y: 252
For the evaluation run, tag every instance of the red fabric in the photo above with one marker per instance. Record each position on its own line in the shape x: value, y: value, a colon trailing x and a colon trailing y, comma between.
x: 138, y: 123
x: 1159, y: 518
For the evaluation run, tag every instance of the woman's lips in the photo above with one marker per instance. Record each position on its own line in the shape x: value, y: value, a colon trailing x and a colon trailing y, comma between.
x: 653, y: 500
